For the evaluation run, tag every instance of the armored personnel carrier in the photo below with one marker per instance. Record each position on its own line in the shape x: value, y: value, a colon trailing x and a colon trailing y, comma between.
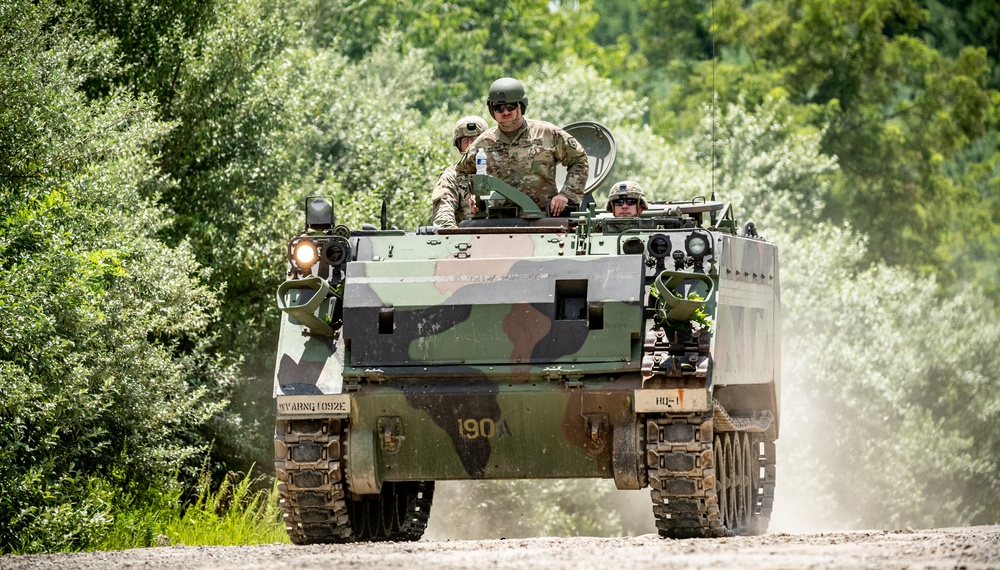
x: 643, y: 350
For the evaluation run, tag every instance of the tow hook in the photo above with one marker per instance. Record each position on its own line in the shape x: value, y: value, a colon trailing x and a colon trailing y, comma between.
x: 391, y: 434
x: 597, y: 433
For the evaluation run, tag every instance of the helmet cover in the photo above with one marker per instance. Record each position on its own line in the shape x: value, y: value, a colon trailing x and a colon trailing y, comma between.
x: 471, y: 126
x: 626, y: 189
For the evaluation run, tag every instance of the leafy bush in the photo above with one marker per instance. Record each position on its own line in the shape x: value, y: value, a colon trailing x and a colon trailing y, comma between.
x: 886, y: 383
x: 100, y: 321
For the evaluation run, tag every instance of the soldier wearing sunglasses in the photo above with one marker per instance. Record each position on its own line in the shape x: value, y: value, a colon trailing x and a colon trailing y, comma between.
x: 626, y: 199
x: 524, y: 153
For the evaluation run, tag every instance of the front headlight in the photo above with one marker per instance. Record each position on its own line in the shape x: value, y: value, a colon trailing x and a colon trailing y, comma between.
x: 304, y: 253
x: 696, y: 245
x: 337, y: 251
x: 658, y: 246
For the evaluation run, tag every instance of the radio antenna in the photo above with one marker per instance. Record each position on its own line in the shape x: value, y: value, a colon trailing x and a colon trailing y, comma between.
x: 711, y: 32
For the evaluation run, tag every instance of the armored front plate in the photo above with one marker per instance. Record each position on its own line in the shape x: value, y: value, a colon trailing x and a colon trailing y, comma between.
x: 492, y: 311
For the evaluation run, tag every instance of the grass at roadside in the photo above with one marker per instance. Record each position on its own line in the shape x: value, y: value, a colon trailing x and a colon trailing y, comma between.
x: 232, y: 514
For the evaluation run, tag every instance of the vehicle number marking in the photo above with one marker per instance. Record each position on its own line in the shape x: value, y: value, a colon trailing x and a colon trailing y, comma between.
x: 672, y: 400
x: 313, y: 405
x: 471, y: 428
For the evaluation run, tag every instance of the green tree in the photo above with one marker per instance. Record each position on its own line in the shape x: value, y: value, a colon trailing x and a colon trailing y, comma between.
x: 894, y: 110
x: 674, y: 30
x: 885, y: 382
x: 954, y: 24
x: 617, y: 19
x: 951, y: 26
x: 469, y: 43
x: 213, y: 72
x: 102, y: 325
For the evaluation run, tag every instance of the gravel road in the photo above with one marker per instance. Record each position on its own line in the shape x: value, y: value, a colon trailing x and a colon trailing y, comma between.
x: 969, y: 548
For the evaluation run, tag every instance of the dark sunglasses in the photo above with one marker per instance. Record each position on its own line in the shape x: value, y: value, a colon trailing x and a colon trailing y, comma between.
x: 621, y: 201
x: 501, y: 107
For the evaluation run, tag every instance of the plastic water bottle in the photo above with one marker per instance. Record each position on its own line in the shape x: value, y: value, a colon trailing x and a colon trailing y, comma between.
x: 481, y: 162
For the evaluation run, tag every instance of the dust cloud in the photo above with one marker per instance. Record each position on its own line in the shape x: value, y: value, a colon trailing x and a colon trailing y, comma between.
x: 473, y: 510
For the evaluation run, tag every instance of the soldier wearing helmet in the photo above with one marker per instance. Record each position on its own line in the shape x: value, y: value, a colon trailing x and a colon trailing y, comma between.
x: 524, y: 152
x: 453, y: 197
x: 626, y: 199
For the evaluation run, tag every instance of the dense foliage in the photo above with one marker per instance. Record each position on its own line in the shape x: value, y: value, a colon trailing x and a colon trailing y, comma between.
x: 154, y: 157
x: 103, y: 371
x: 905, y: 92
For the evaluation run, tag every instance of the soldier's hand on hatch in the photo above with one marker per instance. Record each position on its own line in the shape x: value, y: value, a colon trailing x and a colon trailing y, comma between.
x: 558, y: 204
x: 472, y: 205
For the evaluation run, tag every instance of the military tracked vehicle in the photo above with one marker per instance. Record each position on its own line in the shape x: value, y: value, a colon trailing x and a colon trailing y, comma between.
x: 643, y: 350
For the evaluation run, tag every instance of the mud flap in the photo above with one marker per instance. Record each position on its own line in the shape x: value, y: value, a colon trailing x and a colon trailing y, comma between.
x: 628, y: 457
x: 362, y: 474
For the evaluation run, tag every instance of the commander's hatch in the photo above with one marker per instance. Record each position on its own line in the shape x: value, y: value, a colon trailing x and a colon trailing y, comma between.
x: 601, y: 151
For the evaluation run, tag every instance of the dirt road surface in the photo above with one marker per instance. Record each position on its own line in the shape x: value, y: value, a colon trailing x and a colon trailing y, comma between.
x: 971, y: 548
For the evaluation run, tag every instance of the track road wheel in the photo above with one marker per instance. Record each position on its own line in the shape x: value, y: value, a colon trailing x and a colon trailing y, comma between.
x: 739, y: 485
x: 398, y: 513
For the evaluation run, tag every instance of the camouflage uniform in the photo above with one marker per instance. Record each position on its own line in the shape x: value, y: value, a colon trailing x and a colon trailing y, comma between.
x: 452, y: 192
x: 451, y: 198
x: 626, y: 189
x: 527, y: 160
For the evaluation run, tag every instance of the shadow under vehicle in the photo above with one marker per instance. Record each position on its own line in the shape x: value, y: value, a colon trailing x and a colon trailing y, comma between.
x: 644, y: 350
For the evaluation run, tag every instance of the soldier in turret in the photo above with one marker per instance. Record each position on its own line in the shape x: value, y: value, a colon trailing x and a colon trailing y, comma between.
x: 453, y: 198
x: 626, y: 199
x: 524, y: 152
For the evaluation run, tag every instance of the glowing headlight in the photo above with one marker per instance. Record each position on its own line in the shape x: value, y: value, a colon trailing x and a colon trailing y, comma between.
x: 696, y: 245
x: 305, y: 253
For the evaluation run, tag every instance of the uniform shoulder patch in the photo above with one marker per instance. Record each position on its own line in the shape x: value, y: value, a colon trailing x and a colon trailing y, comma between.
x: 572, y: 143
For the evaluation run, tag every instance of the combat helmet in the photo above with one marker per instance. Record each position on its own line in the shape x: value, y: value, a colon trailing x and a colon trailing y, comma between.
x: 471, y: 126
x: 626, y: 189
x: 507, y: 90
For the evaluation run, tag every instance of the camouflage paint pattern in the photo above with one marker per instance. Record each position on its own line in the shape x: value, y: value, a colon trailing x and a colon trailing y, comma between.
x: 514, y: 354
x: 527, y: 160
x: 478, y: 428
x: 493, y: 310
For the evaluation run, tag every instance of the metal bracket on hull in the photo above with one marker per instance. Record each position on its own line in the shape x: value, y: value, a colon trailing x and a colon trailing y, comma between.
x: 391, y: 436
